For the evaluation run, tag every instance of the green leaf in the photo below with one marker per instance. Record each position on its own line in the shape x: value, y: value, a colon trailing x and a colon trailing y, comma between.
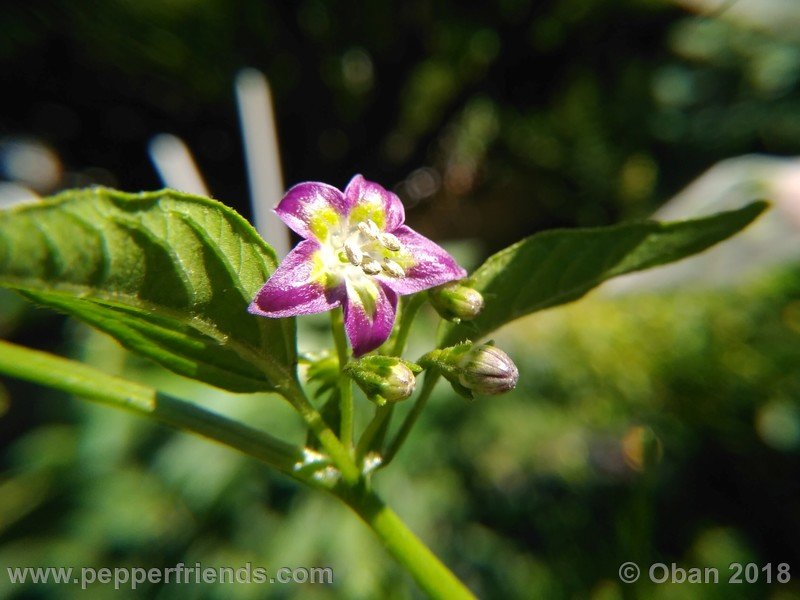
x: 167, y: 274
x: 555, y: 267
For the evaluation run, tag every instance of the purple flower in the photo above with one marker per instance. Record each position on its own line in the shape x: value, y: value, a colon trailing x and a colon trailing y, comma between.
x: 356, y: 253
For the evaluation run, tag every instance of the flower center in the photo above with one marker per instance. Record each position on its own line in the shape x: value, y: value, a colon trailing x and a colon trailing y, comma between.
x: 372, y: 250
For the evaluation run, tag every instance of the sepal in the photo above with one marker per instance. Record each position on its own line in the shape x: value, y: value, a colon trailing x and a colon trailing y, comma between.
x: 456, y: 301
x: 384, y: 378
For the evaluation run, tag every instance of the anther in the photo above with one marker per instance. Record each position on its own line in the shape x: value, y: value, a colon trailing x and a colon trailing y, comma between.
x: 371, y: 267
x: 354, y: 253
x: 389, y: 241
x: 368, y: 228
x: 392, y: 268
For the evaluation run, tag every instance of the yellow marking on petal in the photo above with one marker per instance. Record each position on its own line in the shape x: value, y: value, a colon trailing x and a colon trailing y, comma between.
x: 403, y: 258
x: 321, y: 271
x: 369, y: 208
x: 319, y: 274
x: 323, y: 220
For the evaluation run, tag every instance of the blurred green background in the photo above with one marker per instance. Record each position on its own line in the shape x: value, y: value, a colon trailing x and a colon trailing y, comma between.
x: 646, y: 427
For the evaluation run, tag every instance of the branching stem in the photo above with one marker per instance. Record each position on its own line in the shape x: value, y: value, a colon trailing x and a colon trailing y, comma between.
x: 85, y: 381
x: 411, y: 418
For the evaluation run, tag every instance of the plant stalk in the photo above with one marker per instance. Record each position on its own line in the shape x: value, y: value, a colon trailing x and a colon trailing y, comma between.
x: 337, y: 452
x: 411, y: 418
x: 373, y: 430
x: 85, y: 381
x: 409, y: 312
x: 82, y: 380
x: 426, y: 569
x: 345, y: 385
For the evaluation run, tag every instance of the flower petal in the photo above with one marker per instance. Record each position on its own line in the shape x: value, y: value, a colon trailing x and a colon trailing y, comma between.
x: 297, y: 287
x: 369, y: 312
x: 313, y: 209
x: 432, y: 265
x: 370, y: 200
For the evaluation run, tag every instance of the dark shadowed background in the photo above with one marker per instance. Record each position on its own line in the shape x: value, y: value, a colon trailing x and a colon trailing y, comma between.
x: 652, y: 427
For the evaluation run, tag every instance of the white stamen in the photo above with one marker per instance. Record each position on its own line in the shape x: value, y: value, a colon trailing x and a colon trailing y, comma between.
x: 392, y: 268
x: 354, y: 253
x: 369, y: 228
x: 389, y: 241
x: 371, y: 267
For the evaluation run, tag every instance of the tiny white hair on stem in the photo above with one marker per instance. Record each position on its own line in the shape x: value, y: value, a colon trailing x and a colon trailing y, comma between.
x: 175, y: 165
x: 310, y: 457
x: 260, y: 138
x: 372, y: 461
x: 327, y: 475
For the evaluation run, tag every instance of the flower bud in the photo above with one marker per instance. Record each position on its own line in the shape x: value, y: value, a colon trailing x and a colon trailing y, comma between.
x: 456, y: 301
x: 384, y: 378
x: 487, y: 370
x: 469, y: 368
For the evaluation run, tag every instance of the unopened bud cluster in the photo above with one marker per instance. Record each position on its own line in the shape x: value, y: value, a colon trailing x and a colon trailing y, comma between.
x: 482, y: 368
x: 384, y: 378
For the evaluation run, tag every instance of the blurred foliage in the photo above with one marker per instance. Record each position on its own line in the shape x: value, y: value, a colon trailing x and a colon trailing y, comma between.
x: 647, y: 428
x: 559, y: 113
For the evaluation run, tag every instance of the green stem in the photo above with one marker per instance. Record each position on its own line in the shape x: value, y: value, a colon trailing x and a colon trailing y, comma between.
x: 382, y: 415
x: 287, y: 385
x: 411, y: 418
x: 340, y: 455
x: 345, y: 385
x: 428, y: 571
x: 82, y: 380
x: 410, y: 310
